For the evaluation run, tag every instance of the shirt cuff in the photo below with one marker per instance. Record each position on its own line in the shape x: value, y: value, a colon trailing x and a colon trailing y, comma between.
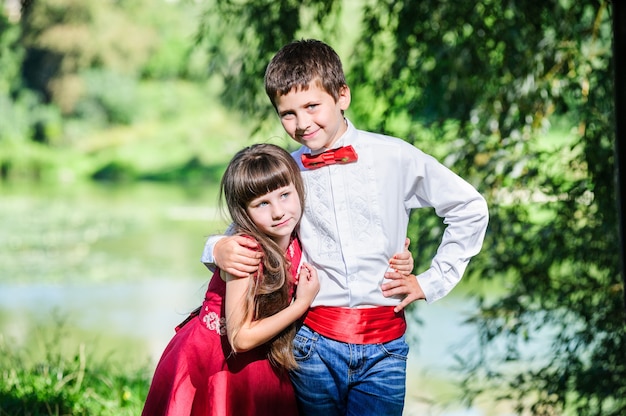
x: 207, y: 254
x: 433, y: 285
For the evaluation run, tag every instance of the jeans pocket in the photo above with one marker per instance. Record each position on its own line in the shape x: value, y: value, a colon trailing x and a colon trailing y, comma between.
x: 398, y: 348
x: 303, y: 344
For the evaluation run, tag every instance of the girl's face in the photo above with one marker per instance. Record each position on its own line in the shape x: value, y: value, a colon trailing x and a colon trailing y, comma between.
x: 277, y: 213
x: 312, y: 117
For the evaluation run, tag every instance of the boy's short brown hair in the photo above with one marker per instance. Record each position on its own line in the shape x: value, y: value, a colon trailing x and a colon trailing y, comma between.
x: 301, y: 62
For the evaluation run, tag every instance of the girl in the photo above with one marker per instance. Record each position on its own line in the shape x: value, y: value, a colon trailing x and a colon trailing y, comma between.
x: 231, y: 356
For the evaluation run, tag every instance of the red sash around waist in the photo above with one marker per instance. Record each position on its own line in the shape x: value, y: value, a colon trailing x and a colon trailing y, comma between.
x: 357, y: 325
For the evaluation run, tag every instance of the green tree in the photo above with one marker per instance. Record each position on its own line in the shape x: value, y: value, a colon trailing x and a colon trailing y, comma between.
x: 25, y: 122
x: 70, y: 70
x: 64, y: 39
x: 483, y: 85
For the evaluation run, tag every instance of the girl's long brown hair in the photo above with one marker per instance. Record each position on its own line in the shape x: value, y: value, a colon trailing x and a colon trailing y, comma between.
x: 253, y: 172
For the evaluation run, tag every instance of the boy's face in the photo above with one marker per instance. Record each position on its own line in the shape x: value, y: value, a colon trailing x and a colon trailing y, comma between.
x: 312, y: 117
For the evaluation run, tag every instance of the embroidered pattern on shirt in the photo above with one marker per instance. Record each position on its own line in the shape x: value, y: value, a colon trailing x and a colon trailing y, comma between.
x: 319, y: 212
x: 363, y: 208
x: 360, y: 209
x: 213, y: 322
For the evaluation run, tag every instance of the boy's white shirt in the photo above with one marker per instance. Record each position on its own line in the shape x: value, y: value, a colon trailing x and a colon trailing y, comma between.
x: 356, y: 217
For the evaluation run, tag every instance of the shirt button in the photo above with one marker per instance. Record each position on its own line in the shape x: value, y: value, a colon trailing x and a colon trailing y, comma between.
x: 352, y: 278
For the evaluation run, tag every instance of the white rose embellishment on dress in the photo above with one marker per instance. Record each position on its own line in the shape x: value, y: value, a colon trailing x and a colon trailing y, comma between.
x: 213, y: 322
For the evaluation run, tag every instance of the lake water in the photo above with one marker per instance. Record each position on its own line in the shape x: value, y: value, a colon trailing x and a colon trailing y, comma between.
x: 120, y: 267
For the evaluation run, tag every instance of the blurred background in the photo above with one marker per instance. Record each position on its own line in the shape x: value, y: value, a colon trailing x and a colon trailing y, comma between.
x: 118, y: 117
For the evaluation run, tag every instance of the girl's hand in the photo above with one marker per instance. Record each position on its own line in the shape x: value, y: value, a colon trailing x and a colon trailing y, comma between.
x: 403, y: 262
x: 308, y: 284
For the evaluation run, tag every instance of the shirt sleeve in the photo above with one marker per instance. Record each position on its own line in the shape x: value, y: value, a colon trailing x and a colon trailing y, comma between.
x: 464, y: 212
x: 207, y: 253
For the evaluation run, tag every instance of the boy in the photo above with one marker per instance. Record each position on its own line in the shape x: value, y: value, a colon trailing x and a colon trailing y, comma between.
x: 351, y: 349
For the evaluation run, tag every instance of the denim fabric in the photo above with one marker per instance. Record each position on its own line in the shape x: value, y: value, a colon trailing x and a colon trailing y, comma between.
x: 337, y: 379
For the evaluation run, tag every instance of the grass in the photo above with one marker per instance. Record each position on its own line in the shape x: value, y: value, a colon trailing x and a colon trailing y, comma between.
x: 49, y: 377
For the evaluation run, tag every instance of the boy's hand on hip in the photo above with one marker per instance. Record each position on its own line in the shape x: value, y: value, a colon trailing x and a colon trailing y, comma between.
x: 237, y: 255
x: 401, y: 284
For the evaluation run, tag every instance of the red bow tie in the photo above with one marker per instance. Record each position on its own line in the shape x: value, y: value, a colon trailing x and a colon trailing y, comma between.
x: 341, y: 155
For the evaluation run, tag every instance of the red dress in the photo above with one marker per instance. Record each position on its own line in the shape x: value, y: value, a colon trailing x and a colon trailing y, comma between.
x: 198, y: 374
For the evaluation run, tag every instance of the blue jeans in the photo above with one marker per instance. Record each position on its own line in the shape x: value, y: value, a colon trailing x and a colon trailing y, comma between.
x: 337, y: 379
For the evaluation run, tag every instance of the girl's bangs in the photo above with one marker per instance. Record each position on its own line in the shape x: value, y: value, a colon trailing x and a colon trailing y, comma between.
x: 263, y: 179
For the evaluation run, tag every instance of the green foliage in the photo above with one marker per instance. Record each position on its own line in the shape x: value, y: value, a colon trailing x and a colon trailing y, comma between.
x: 108, y: 97
x: 509, y: 71
x: 64, y: 38
x: 108, y: 105
x: 26, y: 125
x: 10, y: 56
x: 46, y: 379
x: 169, y: 61
x: 241, y: 37
x: 484, y: 84
x: 182, y: 135
x: 175, y: 54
